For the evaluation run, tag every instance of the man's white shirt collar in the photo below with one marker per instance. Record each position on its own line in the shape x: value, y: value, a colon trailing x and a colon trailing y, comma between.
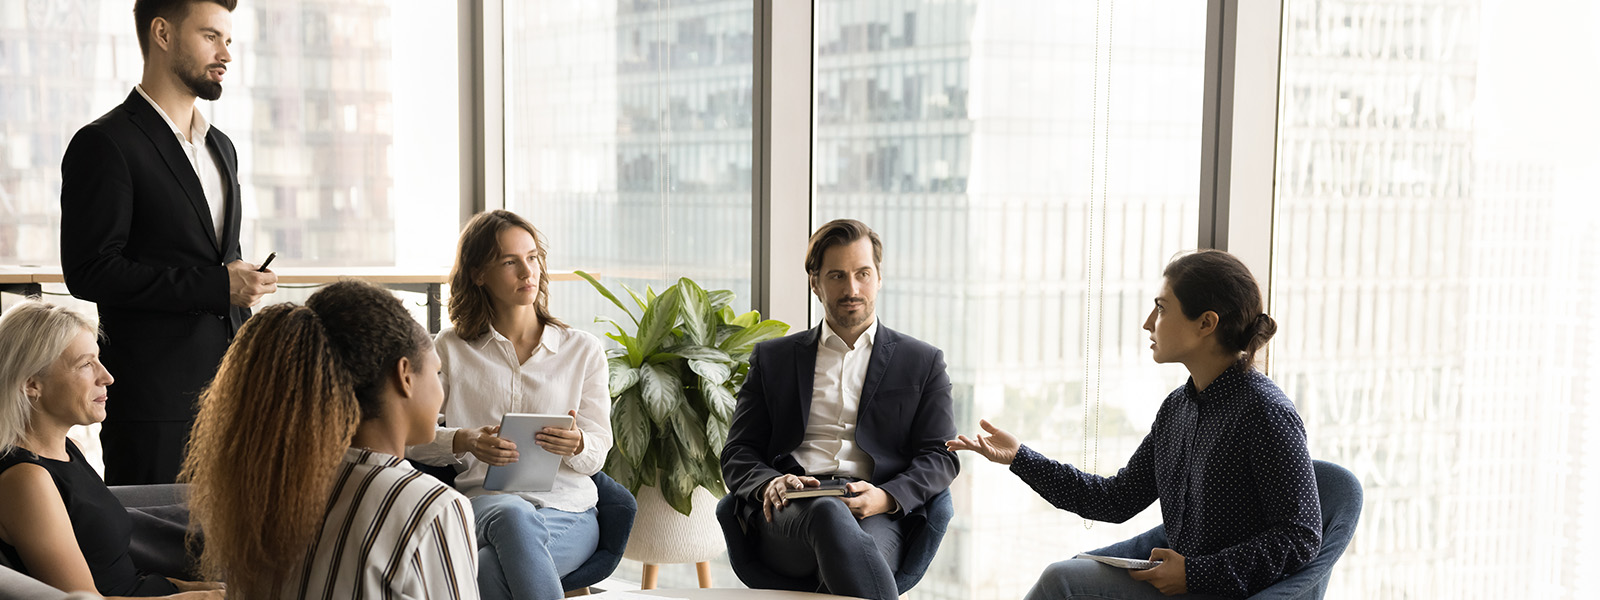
x: 198, y: 127
x: 867, y: 336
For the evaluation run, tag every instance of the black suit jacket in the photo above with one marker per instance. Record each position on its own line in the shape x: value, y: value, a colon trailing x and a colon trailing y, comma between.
x: 903, y: 421
x: 137, y: 239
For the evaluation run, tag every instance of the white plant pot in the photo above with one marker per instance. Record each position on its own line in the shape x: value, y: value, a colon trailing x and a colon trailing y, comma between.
x: 663, y: 536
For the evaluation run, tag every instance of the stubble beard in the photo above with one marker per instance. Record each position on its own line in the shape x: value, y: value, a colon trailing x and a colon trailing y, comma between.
x: 197, y: 82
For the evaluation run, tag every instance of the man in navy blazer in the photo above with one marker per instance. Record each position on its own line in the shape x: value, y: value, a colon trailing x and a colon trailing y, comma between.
x: 150, y: 234
x: 849, y: 401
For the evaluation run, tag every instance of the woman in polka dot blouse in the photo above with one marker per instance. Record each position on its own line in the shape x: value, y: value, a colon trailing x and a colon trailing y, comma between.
x: 1226, y: 456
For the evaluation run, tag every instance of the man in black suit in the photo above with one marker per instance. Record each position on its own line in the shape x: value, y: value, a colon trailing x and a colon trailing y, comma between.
x: 150, y: 233
x: 849, y: 400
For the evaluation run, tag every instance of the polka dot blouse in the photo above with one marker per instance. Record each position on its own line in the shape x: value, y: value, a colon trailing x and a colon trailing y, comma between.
x: 1238, y: 496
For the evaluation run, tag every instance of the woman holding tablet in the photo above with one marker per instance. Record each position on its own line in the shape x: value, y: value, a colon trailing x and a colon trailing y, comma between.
x: 1226, y: 456
x: 295, y: 465
x: 505, y: 353
x: 58, y: 521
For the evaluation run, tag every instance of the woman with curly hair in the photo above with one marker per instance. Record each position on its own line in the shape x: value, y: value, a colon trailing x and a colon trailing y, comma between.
x: 58, y: 521
x: 295, y: 465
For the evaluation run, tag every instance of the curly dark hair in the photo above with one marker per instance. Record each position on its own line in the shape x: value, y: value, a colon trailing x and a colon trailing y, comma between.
x: 275, y: 422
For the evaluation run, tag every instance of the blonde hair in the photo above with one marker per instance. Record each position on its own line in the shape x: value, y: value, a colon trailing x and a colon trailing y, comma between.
x: 32, y: 337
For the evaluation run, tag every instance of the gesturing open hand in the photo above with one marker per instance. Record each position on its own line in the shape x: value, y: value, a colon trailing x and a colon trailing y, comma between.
x: 998, y: 446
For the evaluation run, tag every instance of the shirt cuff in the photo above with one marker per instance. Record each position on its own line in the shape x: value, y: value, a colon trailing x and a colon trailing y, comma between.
x: 439, y: 451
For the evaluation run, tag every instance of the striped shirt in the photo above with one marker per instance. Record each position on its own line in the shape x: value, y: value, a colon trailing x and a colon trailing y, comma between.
x: 390, y: 532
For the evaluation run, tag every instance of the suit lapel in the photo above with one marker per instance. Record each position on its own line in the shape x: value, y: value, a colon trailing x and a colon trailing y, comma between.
x: 230, y: 185
x: 155, y: 128
x: 882, y: 353
x: 805, y: 370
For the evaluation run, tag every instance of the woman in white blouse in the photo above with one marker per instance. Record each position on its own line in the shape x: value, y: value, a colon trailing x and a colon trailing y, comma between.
x: 505, y: 353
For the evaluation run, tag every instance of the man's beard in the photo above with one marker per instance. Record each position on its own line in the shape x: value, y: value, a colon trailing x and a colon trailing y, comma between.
x: 845, y: 319
x: 198, y: 83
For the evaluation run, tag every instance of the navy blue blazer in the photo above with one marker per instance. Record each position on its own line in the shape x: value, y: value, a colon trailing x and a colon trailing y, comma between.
x: 137, y: 240
x: 903, y: 421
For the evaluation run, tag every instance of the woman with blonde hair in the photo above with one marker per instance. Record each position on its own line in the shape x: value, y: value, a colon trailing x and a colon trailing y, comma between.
x: 58, y: 521
x: 505, y: 353
x: 1226, y: 456
x: 295, y: 462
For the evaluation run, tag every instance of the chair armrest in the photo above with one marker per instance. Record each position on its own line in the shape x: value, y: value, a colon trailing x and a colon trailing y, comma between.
x: 138, y: 496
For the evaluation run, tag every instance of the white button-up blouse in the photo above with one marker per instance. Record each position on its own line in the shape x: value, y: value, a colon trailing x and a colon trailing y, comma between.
x: 483, y: 382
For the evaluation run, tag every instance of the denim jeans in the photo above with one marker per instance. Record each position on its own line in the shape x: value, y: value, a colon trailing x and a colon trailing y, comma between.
x: 1087, y: 579
x: 523, y: 551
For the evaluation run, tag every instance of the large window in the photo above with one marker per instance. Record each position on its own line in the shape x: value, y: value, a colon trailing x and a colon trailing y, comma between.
x: 347, y: 138
x: 1435, y: 284
x: 628, y: 138
x: 1031, y: 166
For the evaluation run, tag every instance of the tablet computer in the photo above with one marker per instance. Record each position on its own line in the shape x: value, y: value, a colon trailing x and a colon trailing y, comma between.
x: 535, y: 469
x: 1122, y: 563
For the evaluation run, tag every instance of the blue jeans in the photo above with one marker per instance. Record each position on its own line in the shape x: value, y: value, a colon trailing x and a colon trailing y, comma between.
x: 523, y: 551
x: 1084, y: 578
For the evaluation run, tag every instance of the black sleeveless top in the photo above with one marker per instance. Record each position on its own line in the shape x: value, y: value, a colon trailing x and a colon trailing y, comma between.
x: 99, y: 522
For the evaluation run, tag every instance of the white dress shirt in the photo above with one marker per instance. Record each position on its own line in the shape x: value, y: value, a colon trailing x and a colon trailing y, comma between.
x: 483, y: 382
x: 829, y: 446
x: 205, y: 166
x: 390, y: 532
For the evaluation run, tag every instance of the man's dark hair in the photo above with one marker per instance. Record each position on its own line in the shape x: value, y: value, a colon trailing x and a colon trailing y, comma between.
x: 840, y: 232
x: 174, y: 11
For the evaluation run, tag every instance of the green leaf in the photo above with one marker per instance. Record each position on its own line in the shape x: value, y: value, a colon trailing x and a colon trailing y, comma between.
x: 719, y: 399
x: 675, y: 487
x: 621, y: 375
x: 716, y: 436
x: 663, y: 392
x: 613, y: 322
x: 618, y: 468
x: 658, y: 320
x: 636, y: 299
x: 698, y: 352
x: 607, y: 293
x: 711, y: 466
x: 696, y: 311
x: 690, y: 431
x: 746, y: 320
x: 647, y: 472
x: 720, y: 299
x: 725, y: 315
x: 649, y: 294
x: 715, y: 372
x: 742, y: 342
x: 630, y: 427
x: 631, y: 345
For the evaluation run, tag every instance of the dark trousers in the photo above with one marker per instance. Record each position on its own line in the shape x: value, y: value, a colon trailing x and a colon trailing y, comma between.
x: 144, y: 452
x: 819, y: 537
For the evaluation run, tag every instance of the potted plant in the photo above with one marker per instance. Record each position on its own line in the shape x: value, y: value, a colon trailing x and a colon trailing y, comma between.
x: 673, y: 384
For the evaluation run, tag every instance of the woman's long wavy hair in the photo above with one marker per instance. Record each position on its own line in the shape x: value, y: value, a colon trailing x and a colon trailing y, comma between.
x: 276, y: 421
x: 471, y: 308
